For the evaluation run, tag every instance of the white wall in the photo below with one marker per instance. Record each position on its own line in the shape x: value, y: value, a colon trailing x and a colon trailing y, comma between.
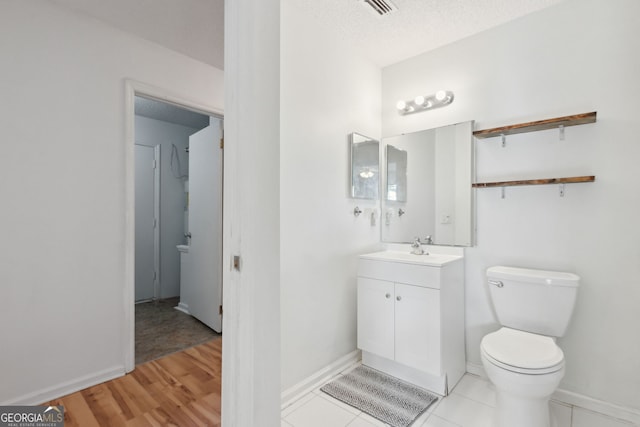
x: 576, y: 57
x: 62, y: 181
x: 172, y: 195
x: 327, y: 92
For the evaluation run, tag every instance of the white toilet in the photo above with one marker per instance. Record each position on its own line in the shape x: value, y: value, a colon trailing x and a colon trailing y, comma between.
x: 522, y: 359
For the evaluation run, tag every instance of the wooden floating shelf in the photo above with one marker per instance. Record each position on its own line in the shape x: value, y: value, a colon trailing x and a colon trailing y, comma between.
x: 577, y: 119
x: 544, y: 181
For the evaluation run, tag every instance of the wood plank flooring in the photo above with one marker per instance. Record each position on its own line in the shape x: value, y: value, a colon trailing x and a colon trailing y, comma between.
x: 182, y: 389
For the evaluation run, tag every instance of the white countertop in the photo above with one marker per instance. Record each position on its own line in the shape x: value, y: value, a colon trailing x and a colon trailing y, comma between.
x: 432, y: 259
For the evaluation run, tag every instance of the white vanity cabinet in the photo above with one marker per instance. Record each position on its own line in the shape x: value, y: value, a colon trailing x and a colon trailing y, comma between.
x: 411, y: 317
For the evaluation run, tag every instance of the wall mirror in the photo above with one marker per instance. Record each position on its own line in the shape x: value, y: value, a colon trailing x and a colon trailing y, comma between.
x: 427, y: 186
x: 365, y: 167
x: 396, y: 188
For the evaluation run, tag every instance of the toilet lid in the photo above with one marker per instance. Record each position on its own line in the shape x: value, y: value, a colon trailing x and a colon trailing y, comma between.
x: 522, y: 349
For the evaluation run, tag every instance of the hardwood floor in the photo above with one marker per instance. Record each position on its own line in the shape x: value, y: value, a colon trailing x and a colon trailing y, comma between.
x: 182, y: 389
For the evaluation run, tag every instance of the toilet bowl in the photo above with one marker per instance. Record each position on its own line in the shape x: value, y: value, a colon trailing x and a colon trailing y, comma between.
x: 525, y: 369
x: 522, y: 358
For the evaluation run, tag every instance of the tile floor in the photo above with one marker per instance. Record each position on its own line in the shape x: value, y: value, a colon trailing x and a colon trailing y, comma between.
x: 469, y: 405
x: 162, y: 330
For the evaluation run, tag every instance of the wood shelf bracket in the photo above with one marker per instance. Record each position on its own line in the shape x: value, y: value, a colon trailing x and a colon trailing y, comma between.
x: 542, y: 181
x: 557, y: 122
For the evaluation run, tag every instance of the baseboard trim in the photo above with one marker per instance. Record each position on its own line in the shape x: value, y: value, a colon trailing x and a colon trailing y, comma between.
x: 601, y: 407
x: 476, y: 369
x: 183, y: 308
x: 293, y: 393
x: 47, y: 394
x: 576, y: 399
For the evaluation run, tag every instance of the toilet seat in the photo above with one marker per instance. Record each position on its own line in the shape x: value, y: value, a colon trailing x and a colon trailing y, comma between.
x: 522, y: 352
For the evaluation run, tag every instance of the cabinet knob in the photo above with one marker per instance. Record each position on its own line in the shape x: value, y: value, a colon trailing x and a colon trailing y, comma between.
x: 398, y: 297
x: 387, y: 296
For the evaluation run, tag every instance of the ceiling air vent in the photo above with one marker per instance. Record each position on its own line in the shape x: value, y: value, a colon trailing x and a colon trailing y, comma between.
x: 381, y: 7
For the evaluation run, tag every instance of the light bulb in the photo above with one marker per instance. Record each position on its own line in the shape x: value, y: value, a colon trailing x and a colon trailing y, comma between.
x: 401, y: 105
x: 441, y: 95
x: 419, y: 100
x: 366, y: 173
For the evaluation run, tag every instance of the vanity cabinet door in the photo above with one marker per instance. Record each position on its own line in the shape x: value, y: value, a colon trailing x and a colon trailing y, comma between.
x: 375, y: 316
x: 417, y: 328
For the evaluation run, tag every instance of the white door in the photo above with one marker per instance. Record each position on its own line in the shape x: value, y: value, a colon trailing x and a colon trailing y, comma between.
x: 146, y: 217
x: 417, y: 332
x: 205, y: 225
x: 375, y: 317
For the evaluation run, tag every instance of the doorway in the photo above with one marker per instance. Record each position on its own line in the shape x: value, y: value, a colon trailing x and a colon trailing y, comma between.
x: 174, y: 128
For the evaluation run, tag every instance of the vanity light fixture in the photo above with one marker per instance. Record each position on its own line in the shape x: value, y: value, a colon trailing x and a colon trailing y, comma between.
x: 422, y: 103
x: 405, y: 107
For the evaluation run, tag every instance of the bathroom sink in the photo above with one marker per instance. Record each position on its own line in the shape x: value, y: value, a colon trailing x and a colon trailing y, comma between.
x: 183, y: 248
x: 431, y: 259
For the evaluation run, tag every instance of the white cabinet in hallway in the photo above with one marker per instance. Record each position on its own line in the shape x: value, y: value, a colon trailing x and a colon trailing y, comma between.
x: 411, y: 317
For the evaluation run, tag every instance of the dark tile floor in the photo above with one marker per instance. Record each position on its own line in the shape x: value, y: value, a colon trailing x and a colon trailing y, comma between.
x: 162, y: 330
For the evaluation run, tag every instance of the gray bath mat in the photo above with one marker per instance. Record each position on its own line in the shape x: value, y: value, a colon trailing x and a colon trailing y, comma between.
x: 382, y: 396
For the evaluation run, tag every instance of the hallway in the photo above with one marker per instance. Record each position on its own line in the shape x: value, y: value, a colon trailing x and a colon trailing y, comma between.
x: 162, y: 330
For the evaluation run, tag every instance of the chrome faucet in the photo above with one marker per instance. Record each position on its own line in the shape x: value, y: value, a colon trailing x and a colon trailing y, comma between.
x: 416, y: 247
x: 428, y: 240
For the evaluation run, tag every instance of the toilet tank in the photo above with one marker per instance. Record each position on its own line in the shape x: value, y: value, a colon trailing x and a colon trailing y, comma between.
x: 535, y: 301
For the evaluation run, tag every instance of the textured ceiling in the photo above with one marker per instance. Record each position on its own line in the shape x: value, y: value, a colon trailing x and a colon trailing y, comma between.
x: 418, y: 25
x: 196, y: 27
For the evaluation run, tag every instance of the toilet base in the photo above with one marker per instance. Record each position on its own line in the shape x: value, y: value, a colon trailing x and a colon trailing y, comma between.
x: 522, y: 412
x: 522, y: 400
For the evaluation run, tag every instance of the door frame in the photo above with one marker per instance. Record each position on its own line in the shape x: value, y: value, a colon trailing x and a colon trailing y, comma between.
x: 156, y: 216
x: 132, y: 89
